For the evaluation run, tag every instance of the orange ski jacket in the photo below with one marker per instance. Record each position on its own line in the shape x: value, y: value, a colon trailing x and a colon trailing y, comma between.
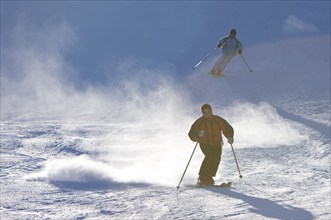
x: 213, y: 129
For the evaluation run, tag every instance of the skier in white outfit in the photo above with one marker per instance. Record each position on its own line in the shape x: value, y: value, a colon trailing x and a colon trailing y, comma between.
x: 231, y: 46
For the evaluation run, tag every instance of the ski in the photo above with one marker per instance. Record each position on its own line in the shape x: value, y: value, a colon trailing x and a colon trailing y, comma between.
x: 222, y: 185
x: 216, y: 75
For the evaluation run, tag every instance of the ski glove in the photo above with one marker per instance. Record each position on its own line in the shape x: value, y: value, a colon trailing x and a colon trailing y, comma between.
x: 230, y: 140
x: 201, y: 133
x: 239, y: 51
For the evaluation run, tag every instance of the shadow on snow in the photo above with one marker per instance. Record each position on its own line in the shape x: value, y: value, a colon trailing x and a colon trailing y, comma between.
x: 319, y: 127
x: 95, y: 185
x: 267, y: 207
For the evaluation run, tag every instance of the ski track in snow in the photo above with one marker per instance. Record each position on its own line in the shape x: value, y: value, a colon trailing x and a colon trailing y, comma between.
x: 280, y: 182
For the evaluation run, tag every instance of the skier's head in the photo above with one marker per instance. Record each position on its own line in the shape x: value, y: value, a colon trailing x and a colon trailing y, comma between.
x: 233, y: 32
x: 205, y: 106
x: 206, y: 110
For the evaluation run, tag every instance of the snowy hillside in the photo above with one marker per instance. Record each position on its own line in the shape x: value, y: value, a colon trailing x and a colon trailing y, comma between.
x: 118, y: 151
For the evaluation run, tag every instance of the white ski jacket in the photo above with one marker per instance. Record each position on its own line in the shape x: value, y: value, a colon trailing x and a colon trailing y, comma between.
x: 230, y: 45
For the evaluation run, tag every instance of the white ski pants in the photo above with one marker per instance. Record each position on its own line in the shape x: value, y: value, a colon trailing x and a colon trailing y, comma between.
x: 223, y: 61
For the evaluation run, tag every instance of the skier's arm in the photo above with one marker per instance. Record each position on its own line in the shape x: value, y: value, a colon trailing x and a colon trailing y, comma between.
x: 193, y: 134
x: 221, y: 42
x: 228, y: 130
x: 240, y: 47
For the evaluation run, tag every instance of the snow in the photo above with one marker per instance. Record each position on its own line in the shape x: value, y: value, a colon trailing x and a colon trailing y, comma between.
x: 119, y: 152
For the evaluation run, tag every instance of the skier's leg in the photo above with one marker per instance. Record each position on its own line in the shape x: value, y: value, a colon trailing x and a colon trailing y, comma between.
x: 218, y: 65
x: 226, y: 60
x: 206, y: 166
x: 222, y: 63
x: 215, y: 159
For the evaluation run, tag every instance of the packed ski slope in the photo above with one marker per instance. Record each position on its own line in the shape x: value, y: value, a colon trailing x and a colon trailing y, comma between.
x: 50, y: 171
x: 91, y: 155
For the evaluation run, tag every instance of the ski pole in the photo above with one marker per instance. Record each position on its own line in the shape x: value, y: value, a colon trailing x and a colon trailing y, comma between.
x: 240, y: 176
x: 250, y: 70
x: 204, y: 58
x: 187, y: 165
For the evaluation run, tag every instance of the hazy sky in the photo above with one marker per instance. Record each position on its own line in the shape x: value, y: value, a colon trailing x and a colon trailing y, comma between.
x: 171, y: 34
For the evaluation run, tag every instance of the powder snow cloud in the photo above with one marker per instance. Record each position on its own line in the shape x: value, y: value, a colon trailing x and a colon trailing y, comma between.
x: 293, y: 24
x: 148, y: 113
